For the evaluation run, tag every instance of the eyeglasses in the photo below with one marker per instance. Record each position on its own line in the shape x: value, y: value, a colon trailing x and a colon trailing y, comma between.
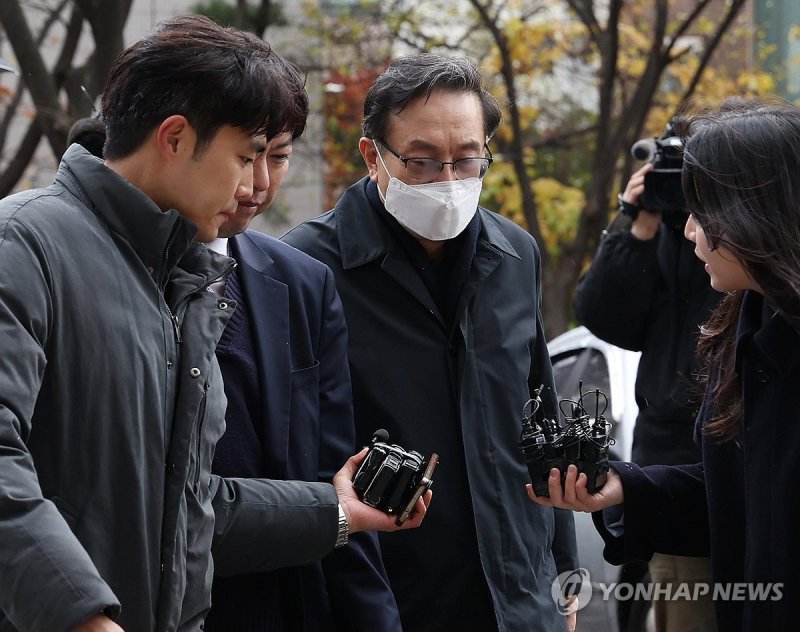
x: 426, y: 170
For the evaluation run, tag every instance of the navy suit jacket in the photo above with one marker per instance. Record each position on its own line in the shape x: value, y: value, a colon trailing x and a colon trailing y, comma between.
x: 300, y: 341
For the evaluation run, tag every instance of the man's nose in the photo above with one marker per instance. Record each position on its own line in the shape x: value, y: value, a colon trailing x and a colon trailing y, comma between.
x: 260, y: 174
x: 448, y: 173
x: 245, y: 189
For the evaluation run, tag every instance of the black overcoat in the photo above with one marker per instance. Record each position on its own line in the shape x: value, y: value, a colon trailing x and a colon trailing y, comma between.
x: 423, y: 380
x: 741, y: 504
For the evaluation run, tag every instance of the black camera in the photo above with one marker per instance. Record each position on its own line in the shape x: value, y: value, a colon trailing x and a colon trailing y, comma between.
x: 392, y: 479
x: 582, y: 441
x: 662, y: 186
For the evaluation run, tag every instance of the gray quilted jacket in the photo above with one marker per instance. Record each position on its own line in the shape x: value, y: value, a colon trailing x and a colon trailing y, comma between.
x: 111, y: 403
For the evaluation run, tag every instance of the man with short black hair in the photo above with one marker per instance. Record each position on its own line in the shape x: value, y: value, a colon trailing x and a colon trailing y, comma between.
x: 283, y: 357
x: 111, y: 398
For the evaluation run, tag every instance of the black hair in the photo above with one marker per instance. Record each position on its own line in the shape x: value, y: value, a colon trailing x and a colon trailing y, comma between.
x: 295, y: 113
x: 191, y: 66
x: 408, y: 78
x: 90, y: 133
x: 740, y: 181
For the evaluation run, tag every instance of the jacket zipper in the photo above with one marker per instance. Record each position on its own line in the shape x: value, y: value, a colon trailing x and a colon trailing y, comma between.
x: 178, y: 340
x: 176, y: 329
x: 202, y: 410
x: 175, y: 324
x: 221, y: 276
x: 210, y: 282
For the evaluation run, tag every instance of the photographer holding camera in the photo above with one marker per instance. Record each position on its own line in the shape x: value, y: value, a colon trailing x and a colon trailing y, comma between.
x: 647, y: 291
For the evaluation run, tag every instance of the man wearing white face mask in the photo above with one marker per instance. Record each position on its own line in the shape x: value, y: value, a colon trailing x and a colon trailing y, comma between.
x: 446, y: 344
x: 439, y: 210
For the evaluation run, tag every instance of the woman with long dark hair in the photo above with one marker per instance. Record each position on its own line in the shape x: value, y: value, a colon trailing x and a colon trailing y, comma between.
x: 741, y: 504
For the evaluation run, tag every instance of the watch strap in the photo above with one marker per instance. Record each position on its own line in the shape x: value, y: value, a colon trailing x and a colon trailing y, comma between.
x: 343, y: 532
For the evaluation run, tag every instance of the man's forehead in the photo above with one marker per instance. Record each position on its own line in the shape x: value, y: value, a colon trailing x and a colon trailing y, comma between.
x: 284, y: 139
x: 443, y: 116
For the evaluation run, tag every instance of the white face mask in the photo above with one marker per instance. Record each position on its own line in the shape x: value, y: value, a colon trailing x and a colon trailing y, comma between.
x: 435, y: 211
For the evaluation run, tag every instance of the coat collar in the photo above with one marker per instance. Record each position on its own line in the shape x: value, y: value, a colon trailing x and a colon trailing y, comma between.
x: 160, y: 238
x: 363, y: 236
x: 760, y: 325
x: 244, y: 249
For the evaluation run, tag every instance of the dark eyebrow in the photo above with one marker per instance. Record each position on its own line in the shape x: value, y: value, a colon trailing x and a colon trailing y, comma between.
x: 417, y: 144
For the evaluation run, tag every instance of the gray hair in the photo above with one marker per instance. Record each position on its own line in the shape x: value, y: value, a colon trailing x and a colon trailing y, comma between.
x: 410, y: 77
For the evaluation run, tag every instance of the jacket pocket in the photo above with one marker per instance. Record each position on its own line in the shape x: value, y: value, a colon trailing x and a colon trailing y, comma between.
x: 304, y: 414
x: 201, y: 417
x: 307, y: 376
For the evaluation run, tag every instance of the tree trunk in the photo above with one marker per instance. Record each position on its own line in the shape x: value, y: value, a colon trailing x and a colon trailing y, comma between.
x: 53, y: 120
x: 107, y: 20
x: 262, y: 18
x: 557, y: 289
x: 22, y: 158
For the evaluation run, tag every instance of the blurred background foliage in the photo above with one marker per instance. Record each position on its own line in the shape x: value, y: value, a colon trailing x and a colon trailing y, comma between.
x: 580, y: 81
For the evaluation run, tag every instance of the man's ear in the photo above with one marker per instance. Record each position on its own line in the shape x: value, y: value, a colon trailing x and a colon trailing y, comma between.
x: 175, y: 136
x: 367, y: 148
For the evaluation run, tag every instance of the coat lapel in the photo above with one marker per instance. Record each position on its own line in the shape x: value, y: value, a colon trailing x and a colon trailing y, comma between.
x: 490, y: 249
x: 364, y: 238
x: 267, y: 303
x: 484, y: 262
x: 398, y: 266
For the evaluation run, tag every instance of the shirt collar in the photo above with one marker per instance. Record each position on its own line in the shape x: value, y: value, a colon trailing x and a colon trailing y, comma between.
x: 219, y: 245
x: 160, y: 238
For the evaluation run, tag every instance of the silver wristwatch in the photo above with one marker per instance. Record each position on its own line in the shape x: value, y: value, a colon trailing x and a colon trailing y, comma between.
x: 344, y: 529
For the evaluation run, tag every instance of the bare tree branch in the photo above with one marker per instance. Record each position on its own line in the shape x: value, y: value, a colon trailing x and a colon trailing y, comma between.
x: 64, y: 74
x: 262, y: 17
x: 733, y: 10
x: 53, y: 118
x: 688, y: 21
x: 240, y: 15
x: 13, y: 105
x: 11, y: 113
x: 61, y: 66
x: 22, y: 158
x: 107, y: 21
x: 635, y: 111
x: 507, y: 72
x: 39, y: 81
x: 585, y: 12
